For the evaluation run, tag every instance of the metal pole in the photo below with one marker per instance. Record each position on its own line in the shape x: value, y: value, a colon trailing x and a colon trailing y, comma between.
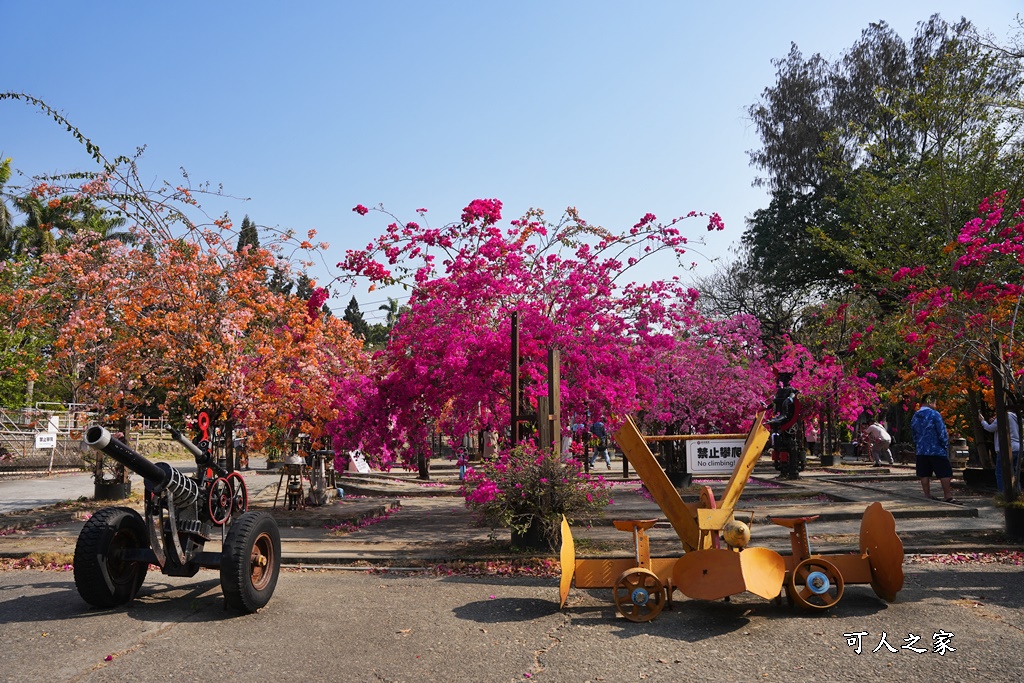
x: 555, y: 400
x: 514, y: 371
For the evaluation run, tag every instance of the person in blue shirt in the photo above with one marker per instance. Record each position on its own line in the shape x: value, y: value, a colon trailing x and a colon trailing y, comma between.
x: 598, y: 431
x: 932, y: 443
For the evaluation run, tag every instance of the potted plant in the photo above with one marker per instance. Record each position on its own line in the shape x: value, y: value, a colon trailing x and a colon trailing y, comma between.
x: 528, y: 491
x: 110, y: 478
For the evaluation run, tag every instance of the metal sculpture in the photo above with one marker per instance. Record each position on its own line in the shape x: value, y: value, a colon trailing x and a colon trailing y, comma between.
x: 116, y: 546
x: 785, y: 452
x: 718, y: 561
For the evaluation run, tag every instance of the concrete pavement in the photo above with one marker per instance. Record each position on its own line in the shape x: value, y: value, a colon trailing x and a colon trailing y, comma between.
x: 964, y: 623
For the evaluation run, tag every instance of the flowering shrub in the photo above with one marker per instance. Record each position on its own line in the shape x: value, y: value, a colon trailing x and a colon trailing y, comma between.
x: 526, y: 487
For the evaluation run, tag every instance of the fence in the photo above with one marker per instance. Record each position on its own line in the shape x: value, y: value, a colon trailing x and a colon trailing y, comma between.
x: 18, y: 453
x: 63, y: 428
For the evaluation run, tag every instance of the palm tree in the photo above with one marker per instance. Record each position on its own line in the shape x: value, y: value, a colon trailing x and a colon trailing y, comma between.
x: 392, y: 310
x: 100, y: 221
x: 76, y: 216
x: 35, y: 236
x: 7, y: 234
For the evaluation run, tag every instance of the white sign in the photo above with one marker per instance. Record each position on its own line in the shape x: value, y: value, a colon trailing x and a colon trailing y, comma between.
x: 357, y: 462
x: 46, y: 440
x: 712, y: 456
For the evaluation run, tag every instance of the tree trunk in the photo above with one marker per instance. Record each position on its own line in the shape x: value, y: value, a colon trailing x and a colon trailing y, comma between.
x: 974, y: 406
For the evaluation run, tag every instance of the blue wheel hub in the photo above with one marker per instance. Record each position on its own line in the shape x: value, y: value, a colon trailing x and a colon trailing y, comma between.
x: 818, y: 583
x: 640, y: 596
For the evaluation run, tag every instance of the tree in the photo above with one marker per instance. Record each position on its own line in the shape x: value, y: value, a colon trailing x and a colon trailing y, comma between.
x: 882, y: 152
x: 736, y: 288
x: 7, y: 235
x: 955, y: 315
x: 248, y: 235
x: 173, y: 316
x: 447, y: 361
x: 354, y: 317
x: 392, y: 309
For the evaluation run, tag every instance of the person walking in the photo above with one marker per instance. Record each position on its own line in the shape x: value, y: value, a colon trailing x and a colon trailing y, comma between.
x: 812, y: 437
x: 879, y: 441
x: 599, y: 432
x: 932, y: 443
x: 1014, y: 424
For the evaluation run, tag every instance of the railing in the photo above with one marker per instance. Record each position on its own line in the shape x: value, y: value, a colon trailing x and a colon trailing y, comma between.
x: 18, y: 453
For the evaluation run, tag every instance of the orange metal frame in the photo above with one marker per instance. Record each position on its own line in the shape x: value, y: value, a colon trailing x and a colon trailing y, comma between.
x: 706, y: 570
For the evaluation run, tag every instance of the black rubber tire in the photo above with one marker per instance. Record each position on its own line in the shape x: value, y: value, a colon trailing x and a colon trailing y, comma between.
x: 102, y: 578
x: 250, y: 561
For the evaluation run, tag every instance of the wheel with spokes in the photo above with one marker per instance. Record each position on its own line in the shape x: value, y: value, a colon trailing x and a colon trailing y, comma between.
x: 239, y: 493
x: 639, y: 594
x: 218, y: 503
x: 815, y: 584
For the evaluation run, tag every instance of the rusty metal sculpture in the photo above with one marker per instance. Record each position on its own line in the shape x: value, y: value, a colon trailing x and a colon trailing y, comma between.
x: 717, y: 560
x: 116, y: 547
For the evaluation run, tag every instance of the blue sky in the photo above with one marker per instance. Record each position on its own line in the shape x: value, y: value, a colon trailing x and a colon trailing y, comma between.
x: 309, y: 108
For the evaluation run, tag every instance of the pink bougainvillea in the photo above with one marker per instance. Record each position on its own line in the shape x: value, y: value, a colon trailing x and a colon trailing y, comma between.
x: 625, y: 346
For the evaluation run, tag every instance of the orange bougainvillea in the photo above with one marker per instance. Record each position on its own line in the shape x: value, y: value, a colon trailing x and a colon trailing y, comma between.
x: 140, y: 302
x: 174, y: 327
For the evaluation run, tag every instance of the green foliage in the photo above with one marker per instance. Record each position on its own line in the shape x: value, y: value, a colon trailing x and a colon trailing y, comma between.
x: 879, y: 157
x: 248, y: 235
x: 354, y: 317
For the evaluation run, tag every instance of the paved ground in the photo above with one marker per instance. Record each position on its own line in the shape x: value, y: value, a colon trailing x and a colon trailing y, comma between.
x: 360, y: 626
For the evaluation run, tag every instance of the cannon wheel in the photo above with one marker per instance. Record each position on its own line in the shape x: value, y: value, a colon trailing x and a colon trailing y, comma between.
x: 250, y: 561
x: 102, y: 577
x: 815, y: 584
x: 239, y: 494
x: 639, y: 594
x: 219, y: 501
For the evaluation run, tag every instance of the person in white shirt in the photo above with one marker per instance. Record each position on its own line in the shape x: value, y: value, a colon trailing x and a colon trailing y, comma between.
x: 879, y: 440
x: 1014, y: 424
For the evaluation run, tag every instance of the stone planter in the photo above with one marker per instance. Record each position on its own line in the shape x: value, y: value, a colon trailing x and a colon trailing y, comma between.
x: 112, y: 490
x: 980, y: 478
x: 828, y: 460
x: 1014, y: 522
x: 679, y: 479
x: 531, y: 539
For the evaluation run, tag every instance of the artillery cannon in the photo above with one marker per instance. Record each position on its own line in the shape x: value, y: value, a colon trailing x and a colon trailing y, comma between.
x: 116, y: 546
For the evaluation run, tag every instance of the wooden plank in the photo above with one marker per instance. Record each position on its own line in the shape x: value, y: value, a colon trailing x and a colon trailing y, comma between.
x: 693, y: 437
x: 713, y: 520
x: 567, y: 557
x: 600, y: 573
x: 632, y: 443
x: 752, y: 447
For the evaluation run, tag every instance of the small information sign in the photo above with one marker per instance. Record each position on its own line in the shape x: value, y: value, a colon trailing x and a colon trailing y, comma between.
x: 46, y: 440
x: 712, y: 456
x: 357, y: 462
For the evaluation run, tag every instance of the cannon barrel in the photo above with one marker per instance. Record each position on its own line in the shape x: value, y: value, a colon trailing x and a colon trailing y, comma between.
x: 185, y: 442
x: 159, y: 475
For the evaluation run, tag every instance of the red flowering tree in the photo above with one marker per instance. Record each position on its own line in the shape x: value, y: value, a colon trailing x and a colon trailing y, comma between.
x: 830, y: 391
x: 956, y: 316
x: 447, y: 362
x: 716, y: 375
